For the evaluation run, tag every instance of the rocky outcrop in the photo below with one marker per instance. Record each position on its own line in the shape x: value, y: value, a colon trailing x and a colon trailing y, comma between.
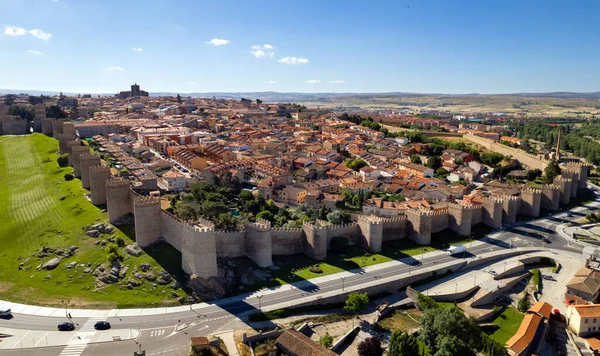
x: 206, y: 289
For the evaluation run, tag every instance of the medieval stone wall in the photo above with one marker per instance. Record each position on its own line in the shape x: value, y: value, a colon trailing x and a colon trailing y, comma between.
x: 231, y: 243
x: 98, y: 177
x: 394, y: 228
x: 520, y: 155
x: 530, y: 202
x: 287, y: 241
x: 551, y: 197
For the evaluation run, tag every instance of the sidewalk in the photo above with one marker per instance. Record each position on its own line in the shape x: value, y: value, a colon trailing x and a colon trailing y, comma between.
x: 23, y: 339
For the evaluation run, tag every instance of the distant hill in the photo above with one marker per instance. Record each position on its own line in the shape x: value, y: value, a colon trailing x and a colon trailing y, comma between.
x: 271, y: 96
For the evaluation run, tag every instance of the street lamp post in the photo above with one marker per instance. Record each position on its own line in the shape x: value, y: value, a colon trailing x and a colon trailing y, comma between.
x: 259, y: 298
x: 343, y: 279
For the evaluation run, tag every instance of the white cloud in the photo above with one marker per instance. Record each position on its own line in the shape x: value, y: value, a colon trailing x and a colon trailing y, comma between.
x: 337, y: 82
x: 32, y: 51
x: 115, y: 68
x: 218, y: 42
x: 193, y: 83
x: 262, y: 51
x: 137, y: 49
x: 313, y: 81
x: 271, y: 82
x: 40, y: 34
x: 293, y: 60
x: 14, y: 31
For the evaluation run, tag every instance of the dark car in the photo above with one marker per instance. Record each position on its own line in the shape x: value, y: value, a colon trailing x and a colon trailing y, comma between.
x: 102, y: 325
x: 5, y: 314
x: 414, y: 263
x: 546, y: 240
x: 66, y: 326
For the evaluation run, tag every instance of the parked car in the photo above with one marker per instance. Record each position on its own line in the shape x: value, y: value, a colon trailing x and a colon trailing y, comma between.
x: 546, y: 240
x: 569, y: 214
x: 102, y: 325
x: 491, y: 271
x: 66, y: 326
x: 5, y: 313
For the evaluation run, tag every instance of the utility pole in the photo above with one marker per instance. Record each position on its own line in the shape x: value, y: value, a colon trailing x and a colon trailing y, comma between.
x: 343, y: 279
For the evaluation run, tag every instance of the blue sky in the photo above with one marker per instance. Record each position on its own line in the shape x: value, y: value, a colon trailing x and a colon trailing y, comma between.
x: 443, y: 46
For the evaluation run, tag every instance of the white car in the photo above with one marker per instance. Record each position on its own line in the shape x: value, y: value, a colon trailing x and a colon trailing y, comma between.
x: 491, y: 271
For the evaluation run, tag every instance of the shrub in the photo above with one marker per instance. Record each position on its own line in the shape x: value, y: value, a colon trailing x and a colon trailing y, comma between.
x: 326, y: 340
x: 426, y: 302
x: 69, y: 177
x: 524, y: 303
x: 63, y: 160
x: 370, y: 347
x: 113, y: 256
x: 315, y: 269
x: 112, y: 248
x: 120, y: 242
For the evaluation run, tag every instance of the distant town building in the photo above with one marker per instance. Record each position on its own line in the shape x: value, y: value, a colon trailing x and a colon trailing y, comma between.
x: 134, y: 92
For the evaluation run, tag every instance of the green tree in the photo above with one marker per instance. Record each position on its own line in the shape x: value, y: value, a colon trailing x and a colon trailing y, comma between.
x: 434, y: 162
x: 225, y: 221
x: 356, y: 301
x: 524, y: 304
x: 185, y: 211
x: 267, y: 215
x: 403, y: 344
x: 356, y: 164
x: 491, y: 158
x: 414, y: 158
x: 370, y: 346
x: 326, y: 340
x: 551, y: 171
x: 532, y: 174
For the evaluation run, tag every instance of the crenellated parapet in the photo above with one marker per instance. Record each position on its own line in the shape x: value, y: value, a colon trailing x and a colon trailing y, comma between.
x: 76, y: 152
x: 118, y: 199
x: 146, y: 211
x: 98, y: 177
x: 87, y: 160
x: 492, y: 211
x: 551, y: 196
x: 420, y: 223
x: 258, y: 242
x: 371, y: 228
x: 70, y: 145
x: 510, y: 208
x: 531, y: 200
x: 564, y: 183
x: 57, y: 128
x: 47, y: 126
x: 460, y: 218
x: 580, y: 170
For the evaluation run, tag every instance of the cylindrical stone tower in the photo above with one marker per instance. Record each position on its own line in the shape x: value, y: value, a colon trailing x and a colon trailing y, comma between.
x: 118, y: 199
x: 98, y: 177
x: 87, y: 160
x: 258, y: 242
x: 146, y: 211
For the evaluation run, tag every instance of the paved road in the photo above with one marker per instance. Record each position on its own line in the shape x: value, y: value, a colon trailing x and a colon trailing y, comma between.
x: 169, y: 334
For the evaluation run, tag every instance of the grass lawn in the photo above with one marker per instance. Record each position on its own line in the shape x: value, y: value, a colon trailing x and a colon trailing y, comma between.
x: 405, y: 320
x: 33, y: 216
x: 296, y: 268
x: 508, y: 322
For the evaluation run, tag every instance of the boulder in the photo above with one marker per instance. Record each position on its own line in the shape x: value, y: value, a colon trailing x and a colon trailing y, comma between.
x: 93, y: 233
x: 145, y: 267
x: 133, y: 250
x: 71, y: 265
x: 52, y: 264
x: 108, y: 229
x: 150, y: 276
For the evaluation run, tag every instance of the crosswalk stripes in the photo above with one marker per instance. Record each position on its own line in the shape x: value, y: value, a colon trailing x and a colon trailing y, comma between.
x: 79, y: 342
x: 73, y: 350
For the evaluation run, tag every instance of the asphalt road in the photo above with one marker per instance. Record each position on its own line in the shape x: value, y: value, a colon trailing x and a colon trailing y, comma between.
x: 160, y: 334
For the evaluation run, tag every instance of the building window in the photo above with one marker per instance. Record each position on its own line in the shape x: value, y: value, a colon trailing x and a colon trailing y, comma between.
x: 586, y: 321
x: 594, y: 320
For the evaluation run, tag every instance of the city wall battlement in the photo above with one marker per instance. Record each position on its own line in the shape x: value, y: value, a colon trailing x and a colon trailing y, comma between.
x: 201, y: 244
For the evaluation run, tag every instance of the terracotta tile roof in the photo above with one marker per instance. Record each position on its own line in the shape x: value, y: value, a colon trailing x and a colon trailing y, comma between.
x: 299, y: 344
x: 542, y: 308
x: 588, y: 310
x: 594, y: 343
x: 525, y: 334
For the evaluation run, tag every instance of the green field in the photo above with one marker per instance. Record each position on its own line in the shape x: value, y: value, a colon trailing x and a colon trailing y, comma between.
x: 508, y: 322
x: 33, y: 215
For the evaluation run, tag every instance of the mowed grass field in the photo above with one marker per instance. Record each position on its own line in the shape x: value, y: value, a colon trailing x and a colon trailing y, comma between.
x: 32, y: 215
